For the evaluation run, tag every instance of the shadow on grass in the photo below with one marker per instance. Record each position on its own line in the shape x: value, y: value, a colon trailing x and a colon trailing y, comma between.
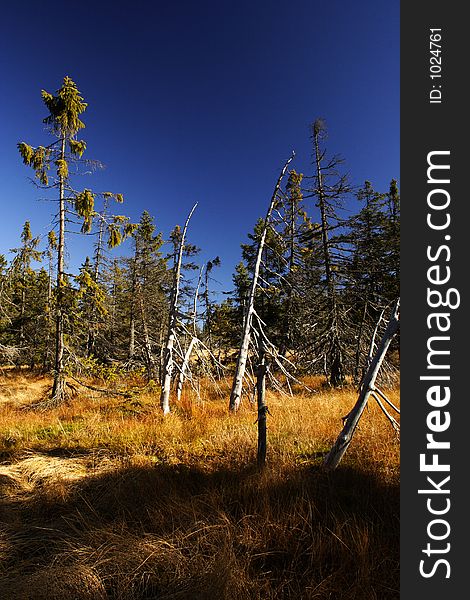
x: 184, y: 532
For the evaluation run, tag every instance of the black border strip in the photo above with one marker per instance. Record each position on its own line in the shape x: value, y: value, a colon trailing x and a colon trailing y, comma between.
x: 430, y: 127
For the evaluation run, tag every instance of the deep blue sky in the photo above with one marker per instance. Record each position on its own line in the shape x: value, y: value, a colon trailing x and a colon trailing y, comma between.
x: 200, y: 101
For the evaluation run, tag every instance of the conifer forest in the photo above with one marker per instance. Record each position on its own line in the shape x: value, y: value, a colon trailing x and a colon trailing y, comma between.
x: 162, y: 439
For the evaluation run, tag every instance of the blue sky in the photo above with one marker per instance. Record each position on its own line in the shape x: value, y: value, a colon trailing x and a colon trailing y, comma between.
x: 199, y: 101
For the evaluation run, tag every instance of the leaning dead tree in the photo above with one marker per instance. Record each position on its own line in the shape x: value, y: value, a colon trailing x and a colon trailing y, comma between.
x: 237, y: 386
x: 368, y: 388
x: 193, y: 341
x: 168, y: 359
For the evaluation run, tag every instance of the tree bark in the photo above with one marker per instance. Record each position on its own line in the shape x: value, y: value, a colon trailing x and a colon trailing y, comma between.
x: 336, y: 453
x: 184, y: 367
x: 58, y: 388
x: 262, y: 411
x: 237, y: 386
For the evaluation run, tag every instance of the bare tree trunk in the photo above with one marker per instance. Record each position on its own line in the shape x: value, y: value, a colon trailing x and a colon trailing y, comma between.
x: 185, y: 366
x: 167, y: 369
x: 132, y: 336
x: 48, y: 353
x: 322, y: 206
x: 262, y: 410
x: 132, y: 311
x: 208, y: 310
x: 336, y: 453
x: 162, y: 350
x: 193, y: 342
x: 58, y: 388
x: 237, y: 386
x: 99, y: 244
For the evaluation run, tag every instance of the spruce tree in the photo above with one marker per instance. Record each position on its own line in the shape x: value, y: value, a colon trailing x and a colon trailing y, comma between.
x: 22, y: 280
x: 371, y: 271
x: 64, y: 123
x: 147, y: 306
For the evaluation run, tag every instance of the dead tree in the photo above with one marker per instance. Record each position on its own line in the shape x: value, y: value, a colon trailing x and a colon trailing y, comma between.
x: 329, y: 190
x: 209, y: 309
x: 9, y: 353
x: 237, y: 386
x: 194, y: 339
x: 368, y: 388
x: 263, y: 410
x: 168, y: 360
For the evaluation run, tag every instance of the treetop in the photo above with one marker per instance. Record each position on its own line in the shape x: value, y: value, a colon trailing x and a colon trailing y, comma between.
x: 65, y: 109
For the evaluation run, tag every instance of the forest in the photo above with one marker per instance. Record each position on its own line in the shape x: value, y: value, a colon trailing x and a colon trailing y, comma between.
x: 139, y: 456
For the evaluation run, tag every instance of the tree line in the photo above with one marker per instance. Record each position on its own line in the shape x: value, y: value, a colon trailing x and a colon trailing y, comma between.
x: 318, y: 274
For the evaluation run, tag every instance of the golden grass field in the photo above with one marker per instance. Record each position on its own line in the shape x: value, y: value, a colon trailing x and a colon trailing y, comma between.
x: 105, y: 498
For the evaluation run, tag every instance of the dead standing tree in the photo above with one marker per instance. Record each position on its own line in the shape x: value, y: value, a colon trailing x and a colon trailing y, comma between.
x: 237, y: 386
x: 168, y: 360
x: 194, y: 339
x: 330, y: 189
x: 368, y: 388
x: 263, y: 409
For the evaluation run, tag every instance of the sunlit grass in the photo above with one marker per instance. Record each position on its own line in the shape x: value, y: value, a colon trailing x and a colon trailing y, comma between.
x: 174, y: 507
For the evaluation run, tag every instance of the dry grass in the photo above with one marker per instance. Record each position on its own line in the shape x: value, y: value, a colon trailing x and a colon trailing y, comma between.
x: 105, y: 498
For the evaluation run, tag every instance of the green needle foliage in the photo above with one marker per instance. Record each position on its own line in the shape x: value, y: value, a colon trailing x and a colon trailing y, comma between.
x: 64, y: 122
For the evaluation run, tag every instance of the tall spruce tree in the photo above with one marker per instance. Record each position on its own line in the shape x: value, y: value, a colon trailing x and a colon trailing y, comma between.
x: 63, y: 123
